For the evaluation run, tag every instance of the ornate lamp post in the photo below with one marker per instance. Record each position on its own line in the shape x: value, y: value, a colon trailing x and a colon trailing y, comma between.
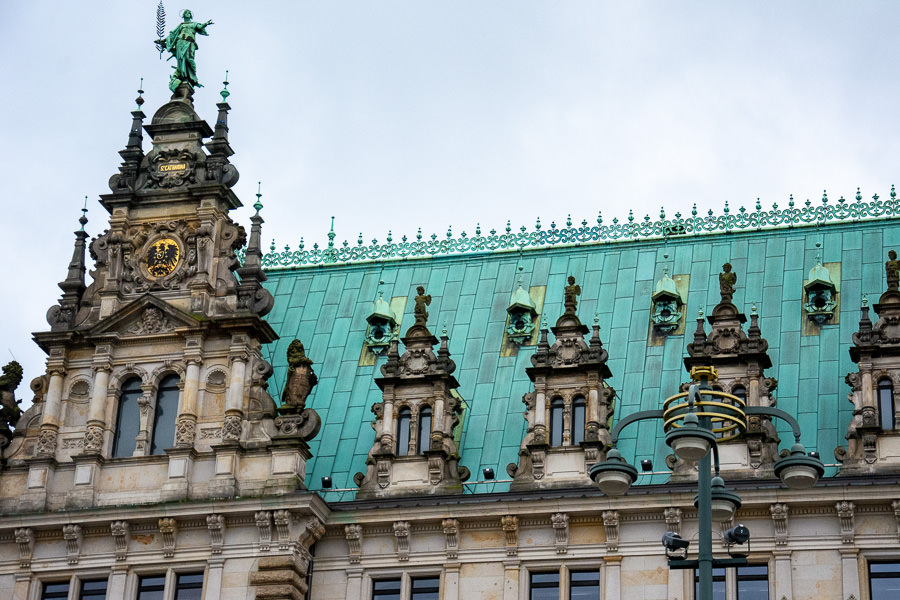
x: 694, y: 422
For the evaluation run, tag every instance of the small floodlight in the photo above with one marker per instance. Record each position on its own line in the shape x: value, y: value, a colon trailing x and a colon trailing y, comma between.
x: 646, y: 465
x: 326, y: 483
x: 675, y: 545
x: 488, y: 473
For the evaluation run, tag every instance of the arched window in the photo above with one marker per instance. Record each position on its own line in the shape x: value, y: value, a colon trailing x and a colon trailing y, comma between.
x: 424, y: 440
x: 403, y: 418
x: 578, y: 412
x: 886, y: 403
x: 739, y: 391
x: 128, y: 419
x: 166, y: 411
x: 556, y: 421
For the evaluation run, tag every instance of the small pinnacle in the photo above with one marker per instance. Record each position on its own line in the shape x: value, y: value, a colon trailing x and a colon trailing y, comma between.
x: 444, y: 330
x: 596, y: 319
x: 140, y: 99
x: 865, y: 300
x: 83, y: 219
x: 753, y: 309
x: 225, y: 93
x: 543, y: 323
x: 258, y: 204
x: 699, y: 313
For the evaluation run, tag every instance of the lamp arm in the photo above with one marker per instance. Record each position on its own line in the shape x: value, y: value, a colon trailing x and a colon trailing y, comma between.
x: 626, y: 421
x: 715, y: 451
x: 776, y: 412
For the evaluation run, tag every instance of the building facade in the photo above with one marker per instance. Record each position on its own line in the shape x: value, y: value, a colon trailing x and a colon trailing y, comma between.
x: 417, y: 420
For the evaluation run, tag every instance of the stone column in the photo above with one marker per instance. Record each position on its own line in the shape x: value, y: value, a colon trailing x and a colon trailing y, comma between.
x: 186, y: 426
x: 511, y: 571
x: 93, y: 435
x: 783, y: 585
x: 354, y: 584
x: 46, y: 446
x: 234, y: 400
x: 451, y: 582
x: 613, y: 578
x: 214, y: 571
x: 117, y: 580
x: 23, y: 586
x: 387, y: 424
x: 850, y: 572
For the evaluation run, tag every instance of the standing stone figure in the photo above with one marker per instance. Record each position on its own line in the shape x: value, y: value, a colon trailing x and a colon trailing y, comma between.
x: 892, y: 271
x: 727, y: 279
x: 9, y: 406
x: 300, y: 378
x: 181, y: 42
x: 419, y: 311
x: 570, y: 299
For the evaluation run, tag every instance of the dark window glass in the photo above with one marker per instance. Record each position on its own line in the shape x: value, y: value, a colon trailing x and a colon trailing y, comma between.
x: 188, y: 586
x: 718, y: 584
x: 424, y: 440
x: 93, y: 590
x: 753, y: 582
x: 426, y: 588
x: 128, y: 420
x: 55, y: 590
x: 403, y: 418
x: 151, y: 587
x: 886, y: 403
x: 884, y: 581
x: 544, y: 586
x: 584, y: 585
x: 556, y: 422
x: 386, y: 589
x: 578, y: 410
x: 166, y: 411
x: 739, y: 391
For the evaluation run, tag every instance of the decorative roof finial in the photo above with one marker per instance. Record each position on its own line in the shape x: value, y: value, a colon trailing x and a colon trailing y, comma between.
x: 258, y: 204
x: 753, y: 309
x: 331, y: 234
x: 865, y: 300
x: 83, y: 219
x: 225, y: 93
x: 140, y: 99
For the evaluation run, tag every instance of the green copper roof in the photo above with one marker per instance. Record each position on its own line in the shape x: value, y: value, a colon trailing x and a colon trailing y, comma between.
x: 327, y: 308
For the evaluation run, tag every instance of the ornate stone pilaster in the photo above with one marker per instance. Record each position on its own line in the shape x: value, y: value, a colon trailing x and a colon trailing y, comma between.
x: 354, y: 535
x: 120, y: 532
x: 169, y: 530
x: 673, y: 519
x: 93, y: 435
x: 560, y: 522
x: 215, y: 523
x: 401, y: 532
x: 845, y: 511
x: 611, y: 525
x: 72, y: 536
x: 25, y: 543
x: 780, y: 521
x: 264, y: 527
x: 451, y: 538
x: 510, y: 525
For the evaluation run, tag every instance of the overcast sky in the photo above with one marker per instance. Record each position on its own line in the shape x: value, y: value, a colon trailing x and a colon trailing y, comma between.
x: 396, y: 114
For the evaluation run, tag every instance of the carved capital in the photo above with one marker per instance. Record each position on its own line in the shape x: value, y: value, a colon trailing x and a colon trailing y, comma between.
x: 282, y: 520
x: 93, y: 439
x: 611, y: 524
x: 46, y: 442
x: 25, y: 543
x: 401, y: 532
x: 510, y: 524
x: 185, y: 431
x: 231, y: 428
x: 216, y: 525
x: 780, y: 520
x: 451, y: 537
x: 673, y: 519
x: 264, y: 526
x: 354, y: 535
x: 169, y: 530
x: 72, y: 535
x: 120, y: 532
x: 845, y: 511
x: 560, y: 522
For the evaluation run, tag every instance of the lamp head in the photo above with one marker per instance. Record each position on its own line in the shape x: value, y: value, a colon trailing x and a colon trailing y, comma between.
x: 799, y: 471
x: 675, y: 546
x: 613, y: 476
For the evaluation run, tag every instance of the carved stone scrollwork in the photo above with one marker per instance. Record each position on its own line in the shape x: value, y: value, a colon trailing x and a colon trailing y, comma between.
x: 282, y: 520
x: 780, y: 520
x: 401, y: 532
x: 537, y: 463
x: 845, y: 511
x: 185, y: 431
x: 46, y: 443
x: 611, y: 524
x: 72, y: 536
x: 216, y: 525
x: 264, y: 526
x: 353, y: 533
x: 384, y: 473
x: 673, y: 519
x: 560, y: 522
x: 451, y: 537
x: 152, y: 321
x: 169, y: 530
x: 25, y: 544
x: 304, y: 425
x: 510, y: 524
x: 231, y: 428
x: 93, y: 439
x: 120, y: 532
x: 435, y: 469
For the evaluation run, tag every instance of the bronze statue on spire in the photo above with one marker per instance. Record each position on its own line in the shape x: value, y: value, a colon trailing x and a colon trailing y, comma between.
x: 727, y: 279
x: 419, y: 311
x: 570, y: 299
x: 181, y: 43
x: 892, y: 271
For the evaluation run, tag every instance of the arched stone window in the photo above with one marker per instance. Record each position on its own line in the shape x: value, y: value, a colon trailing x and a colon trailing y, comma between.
x: 166, y: 411
x: 886, y: 403
x: 424, y: 438
x: 557, y: 408
x: 579, y: 408
x: 404, y: 415
x: 128, y: 419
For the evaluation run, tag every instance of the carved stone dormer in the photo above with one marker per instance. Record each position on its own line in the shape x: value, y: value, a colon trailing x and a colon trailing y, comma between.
x: 741, y: 359
x: 414, y: 451
x: 569, y: 408
x: 872, y: 435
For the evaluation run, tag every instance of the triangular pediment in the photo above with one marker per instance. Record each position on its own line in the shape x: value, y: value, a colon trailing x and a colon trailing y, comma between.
x: 148, y: 315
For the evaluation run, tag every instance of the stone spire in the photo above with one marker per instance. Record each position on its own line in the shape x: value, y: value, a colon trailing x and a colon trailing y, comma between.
x: 133, y: 153
x: 251, y: 295
x: 62, y: 316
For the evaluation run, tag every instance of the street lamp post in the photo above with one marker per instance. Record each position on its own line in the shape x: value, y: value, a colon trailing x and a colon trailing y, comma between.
x: 694, y: 422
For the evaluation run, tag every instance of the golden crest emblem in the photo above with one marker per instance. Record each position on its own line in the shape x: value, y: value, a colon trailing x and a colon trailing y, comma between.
x: 162, y: 257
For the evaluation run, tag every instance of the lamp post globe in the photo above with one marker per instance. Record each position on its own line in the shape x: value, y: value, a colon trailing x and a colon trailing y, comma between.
x: 690, y: 442
x: 799, y: 471
x: 723, y: 503
x: 613, y: 476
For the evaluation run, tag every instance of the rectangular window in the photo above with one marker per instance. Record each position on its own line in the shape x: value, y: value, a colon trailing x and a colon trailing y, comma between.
x: 151, y: 587
x: 426, y: 588
x: 753, y: 582
x: 718, y: 584
x: 92, y: 589
x: 188, y: 586
x: 884, y: 580
x: 584, y: 585
x: 544, y: 586
x: 386, y: 589
x: 55, y: 590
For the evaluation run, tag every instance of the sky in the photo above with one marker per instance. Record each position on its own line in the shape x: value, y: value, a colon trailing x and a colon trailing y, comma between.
x: 393, y: 115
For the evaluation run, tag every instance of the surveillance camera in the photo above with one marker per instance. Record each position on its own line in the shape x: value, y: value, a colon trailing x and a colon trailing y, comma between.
x: 738, y: 534
x: 673, y: 542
